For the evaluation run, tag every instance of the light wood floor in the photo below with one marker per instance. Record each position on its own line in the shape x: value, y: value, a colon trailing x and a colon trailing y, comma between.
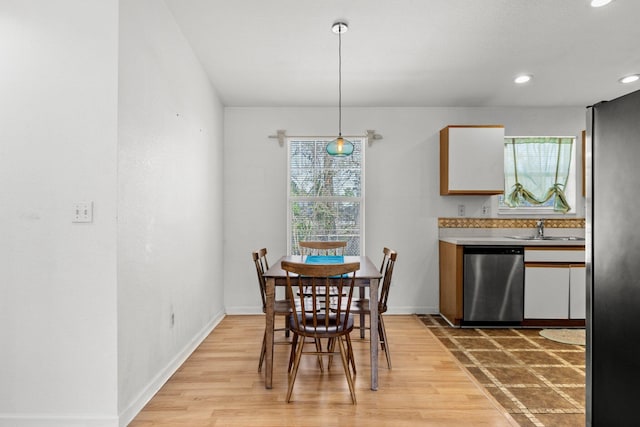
x: 219, y: 385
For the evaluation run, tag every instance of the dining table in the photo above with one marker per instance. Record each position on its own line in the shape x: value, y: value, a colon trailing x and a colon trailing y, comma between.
x: 367, y: 276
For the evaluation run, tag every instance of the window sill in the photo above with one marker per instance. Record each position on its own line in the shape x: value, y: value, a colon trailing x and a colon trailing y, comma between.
x: 534, y: 212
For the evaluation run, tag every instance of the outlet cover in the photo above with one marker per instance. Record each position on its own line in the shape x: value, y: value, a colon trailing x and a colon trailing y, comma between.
x: 82, y: 212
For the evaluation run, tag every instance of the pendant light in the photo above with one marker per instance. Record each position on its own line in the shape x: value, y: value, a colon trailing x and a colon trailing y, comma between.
x: 340, y: 147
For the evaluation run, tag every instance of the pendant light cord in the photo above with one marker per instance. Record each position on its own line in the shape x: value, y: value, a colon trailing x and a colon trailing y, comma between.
x: 340, y: 81
x: 339, y: 147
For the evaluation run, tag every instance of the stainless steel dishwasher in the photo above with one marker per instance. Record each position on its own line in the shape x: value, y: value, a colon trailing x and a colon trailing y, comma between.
x: 493, y: 284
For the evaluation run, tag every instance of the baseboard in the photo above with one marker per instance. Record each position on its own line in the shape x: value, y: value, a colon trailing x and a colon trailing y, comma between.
x: 244, y: 310
x: 156, y: 384
x: 413, y: 310
x: 235, y: 311
x: 56, y: 420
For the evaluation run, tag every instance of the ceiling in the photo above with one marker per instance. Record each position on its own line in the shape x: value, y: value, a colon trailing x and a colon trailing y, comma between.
x: 406, y: 53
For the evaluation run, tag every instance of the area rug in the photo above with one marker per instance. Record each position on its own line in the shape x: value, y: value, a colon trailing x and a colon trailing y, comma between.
x: 539, y: 382
x: 565, y: 336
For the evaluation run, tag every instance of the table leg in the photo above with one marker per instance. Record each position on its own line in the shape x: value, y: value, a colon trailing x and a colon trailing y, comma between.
x: 269, y: 320
x: 373, y: 332
x: 362, y: 315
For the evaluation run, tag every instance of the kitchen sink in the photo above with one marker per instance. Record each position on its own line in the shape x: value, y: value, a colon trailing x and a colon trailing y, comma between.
x: 546, y: 237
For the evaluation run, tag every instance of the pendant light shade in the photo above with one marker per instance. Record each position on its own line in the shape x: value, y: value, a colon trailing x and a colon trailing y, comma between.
x: 340, y: 147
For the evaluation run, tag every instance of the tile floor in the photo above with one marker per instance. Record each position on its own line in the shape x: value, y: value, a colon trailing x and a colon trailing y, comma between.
x: 538, y: 381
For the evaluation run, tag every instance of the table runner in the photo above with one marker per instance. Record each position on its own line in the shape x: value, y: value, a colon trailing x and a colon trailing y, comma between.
x: 324, y: 259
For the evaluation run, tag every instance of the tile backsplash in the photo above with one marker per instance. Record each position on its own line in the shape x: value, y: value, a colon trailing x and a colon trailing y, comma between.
x: 495, y: 227
x: 509, y: 223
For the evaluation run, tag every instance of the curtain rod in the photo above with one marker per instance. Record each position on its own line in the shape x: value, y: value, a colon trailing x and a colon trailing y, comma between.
x: 371, y: 136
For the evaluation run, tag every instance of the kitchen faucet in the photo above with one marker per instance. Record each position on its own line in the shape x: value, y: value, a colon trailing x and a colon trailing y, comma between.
x: 540, y: 227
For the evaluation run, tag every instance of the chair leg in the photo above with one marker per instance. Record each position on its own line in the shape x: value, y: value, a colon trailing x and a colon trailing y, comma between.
x: 350, y: 353
x: 263, y: 352
x: 292, y: 354
x: 319, y: 350
x: 294, y: 370
x: 286, y: 326
x: 318, y: 345
x: 345, y: 365
x: 383, y: 339
x: 330, y: 347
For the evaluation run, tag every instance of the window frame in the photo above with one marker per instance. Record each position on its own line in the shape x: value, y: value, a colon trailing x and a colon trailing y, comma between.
x: 362, y: 140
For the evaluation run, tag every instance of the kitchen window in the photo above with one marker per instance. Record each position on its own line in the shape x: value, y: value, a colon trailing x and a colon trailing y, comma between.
x: 325, y: 194
x: 539, y: 175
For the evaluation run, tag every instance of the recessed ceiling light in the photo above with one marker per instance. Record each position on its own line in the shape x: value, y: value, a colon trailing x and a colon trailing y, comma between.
x: 522, y: 78
x: 599, y: 3
x: 630, y: 78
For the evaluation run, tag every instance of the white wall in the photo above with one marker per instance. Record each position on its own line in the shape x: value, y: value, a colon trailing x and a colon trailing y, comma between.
x: 86, y: 309
x: 58, y: 135
x: 402, y: 197
x: 169, y: 203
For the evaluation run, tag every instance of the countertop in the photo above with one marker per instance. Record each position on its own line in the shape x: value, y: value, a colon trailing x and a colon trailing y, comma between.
x: 508, y: 241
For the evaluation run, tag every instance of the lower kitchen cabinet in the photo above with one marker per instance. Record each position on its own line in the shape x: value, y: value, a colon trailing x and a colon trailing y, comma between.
x: 577, y: 292
x: 546, y: 292
x: 451, y: 276
x: 555, y: 284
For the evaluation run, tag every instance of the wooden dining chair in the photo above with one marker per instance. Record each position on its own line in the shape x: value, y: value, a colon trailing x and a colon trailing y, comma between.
x: 313, y: 318
x: 360, y: 306
x: 322, y: 248
x: 281, y: 307
x: 317, y: 247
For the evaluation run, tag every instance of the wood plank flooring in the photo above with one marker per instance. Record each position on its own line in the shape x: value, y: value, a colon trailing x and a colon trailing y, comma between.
x: 219, y: 385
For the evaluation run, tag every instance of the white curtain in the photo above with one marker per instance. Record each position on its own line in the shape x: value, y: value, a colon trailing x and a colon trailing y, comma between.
x: 537, y: 170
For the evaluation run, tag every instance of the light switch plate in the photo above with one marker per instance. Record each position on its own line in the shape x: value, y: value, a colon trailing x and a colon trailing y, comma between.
x: 82, y: 212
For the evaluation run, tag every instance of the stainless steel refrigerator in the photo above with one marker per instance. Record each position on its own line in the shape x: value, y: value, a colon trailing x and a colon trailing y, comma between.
x: 613, y: 262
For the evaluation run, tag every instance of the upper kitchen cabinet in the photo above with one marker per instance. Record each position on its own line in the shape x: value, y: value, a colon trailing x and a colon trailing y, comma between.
x: 472, y: 160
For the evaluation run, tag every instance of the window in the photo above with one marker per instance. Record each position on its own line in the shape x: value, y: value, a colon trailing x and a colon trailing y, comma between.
x: 326, y: 194
x: 538, y: 175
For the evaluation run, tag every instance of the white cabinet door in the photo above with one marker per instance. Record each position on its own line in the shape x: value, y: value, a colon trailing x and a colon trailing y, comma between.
x: 546, y: 292
x: 577, y: 292
x: 472, y: 160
